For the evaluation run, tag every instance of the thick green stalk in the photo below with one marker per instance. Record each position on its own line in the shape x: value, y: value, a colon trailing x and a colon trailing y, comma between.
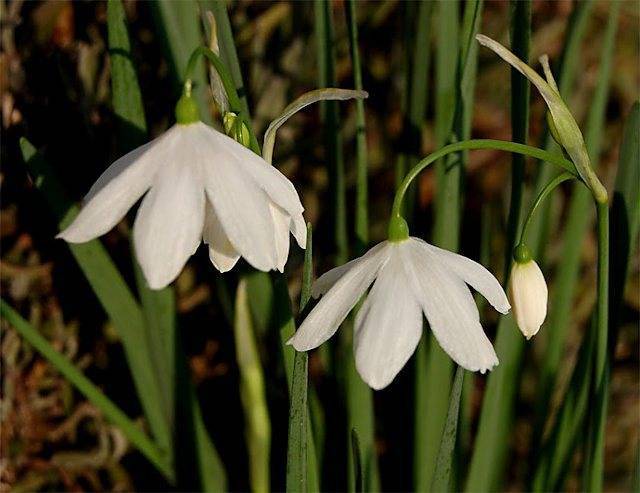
x: 594, y: 473
x: 111, y: 412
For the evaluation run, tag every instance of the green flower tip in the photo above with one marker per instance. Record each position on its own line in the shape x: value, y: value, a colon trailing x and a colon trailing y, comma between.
x: 235, y: 128
x: 186, y: 110
x: 398, y: 229
x: 522, y: 254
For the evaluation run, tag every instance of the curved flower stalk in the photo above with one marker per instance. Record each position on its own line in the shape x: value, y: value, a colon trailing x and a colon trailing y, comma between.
x: 410, y: 277
x: 564, y: 128
x: 200, y: 185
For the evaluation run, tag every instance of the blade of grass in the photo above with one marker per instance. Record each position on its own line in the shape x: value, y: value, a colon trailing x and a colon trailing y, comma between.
x: 359, y: 400
x: 488, y: 461
x: 456, y: 66
x: 111, y: 412
x: 301, y: 459
x: 157, y: 306
x: 441, y: 476
x: 110, y: 289
x: 252, y: 393
x: 361, y: 219
x: 417, y: 63
x: 358, y: 478
x: 330, y: 120
x: 520, y: 31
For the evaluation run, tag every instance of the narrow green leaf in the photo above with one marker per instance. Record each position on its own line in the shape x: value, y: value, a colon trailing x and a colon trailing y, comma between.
x: 359, y: 403
x: 520, y: 31
x: 252, y: 393
x: 298, y: 422
x: 111, y: 412
x: 157, y: 306
x: 358, y: 476
x: 456, y: 67
x: 441, y: 476
x: 625, y: 214
x: 301, y: 457
x: 110, y: 289
x: 362, y: 215
x: 330, y: 119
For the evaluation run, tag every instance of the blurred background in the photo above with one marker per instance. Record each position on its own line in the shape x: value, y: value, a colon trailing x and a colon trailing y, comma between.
x: 55, y: 90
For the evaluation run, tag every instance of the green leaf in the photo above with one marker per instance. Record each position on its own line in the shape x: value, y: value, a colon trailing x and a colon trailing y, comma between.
x: 111, y: 412
x: 358, y: 476
x: 456, y: 61
x: 362, y: 214
x: 520, y: 30
x: 441, y: 476
x: 157, y: 306
x: 110, y: 289
x: 252, y: 393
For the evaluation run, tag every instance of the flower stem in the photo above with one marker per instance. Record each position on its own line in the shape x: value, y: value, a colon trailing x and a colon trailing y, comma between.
x: 235, y: 103
x: 548, y: 188
x: 474, y: 144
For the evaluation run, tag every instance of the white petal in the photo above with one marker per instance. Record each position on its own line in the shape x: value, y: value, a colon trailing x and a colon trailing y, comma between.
x: 333, y: 308
x: 222, y: 254
x: 326, y: 281
x: 473, y: 274
x: 268, y: 178
x: 169, y: 224
x: 281, y: 223
x: 299, y: 230
x: 241, y: 206
x: 388, y: 326
x: 528, y: 291
x: 449, y: 308
x: 118, y: 188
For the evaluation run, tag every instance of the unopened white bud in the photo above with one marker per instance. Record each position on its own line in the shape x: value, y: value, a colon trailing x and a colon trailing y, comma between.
x: 528, y: 295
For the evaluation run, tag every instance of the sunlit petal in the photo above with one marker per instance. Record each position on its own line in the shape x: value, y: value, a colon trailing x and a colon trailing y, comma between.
x: 222, y: 254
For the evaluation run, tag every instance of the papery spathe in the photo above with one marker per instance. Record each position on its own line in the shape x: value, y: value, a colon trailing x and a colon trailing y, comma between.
x: 409, y: 277
x: 202, y: 186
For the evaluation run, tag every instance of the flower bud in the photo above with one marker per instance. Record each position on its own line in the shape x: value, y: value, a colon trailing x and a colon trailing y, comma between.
x: 528, y: 295
x: 235, y: 128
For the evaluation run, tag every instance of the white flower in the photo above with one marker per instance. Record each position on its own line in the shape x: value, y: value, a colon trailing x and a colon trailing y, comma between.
x: 202, y: 185
x: 528, y: 292
x: 411, y: 277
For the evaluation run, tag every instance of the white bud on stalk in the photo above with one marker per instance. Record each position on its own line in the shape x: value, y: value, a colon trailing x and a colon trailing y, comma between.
x: 528, y: 295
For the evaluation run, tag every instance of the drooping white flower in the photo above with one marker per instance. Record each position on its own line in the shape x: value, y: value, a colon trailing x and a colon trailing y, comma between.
x: 200, y: 185
x: 409, y: 277
x: 529, y: 295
